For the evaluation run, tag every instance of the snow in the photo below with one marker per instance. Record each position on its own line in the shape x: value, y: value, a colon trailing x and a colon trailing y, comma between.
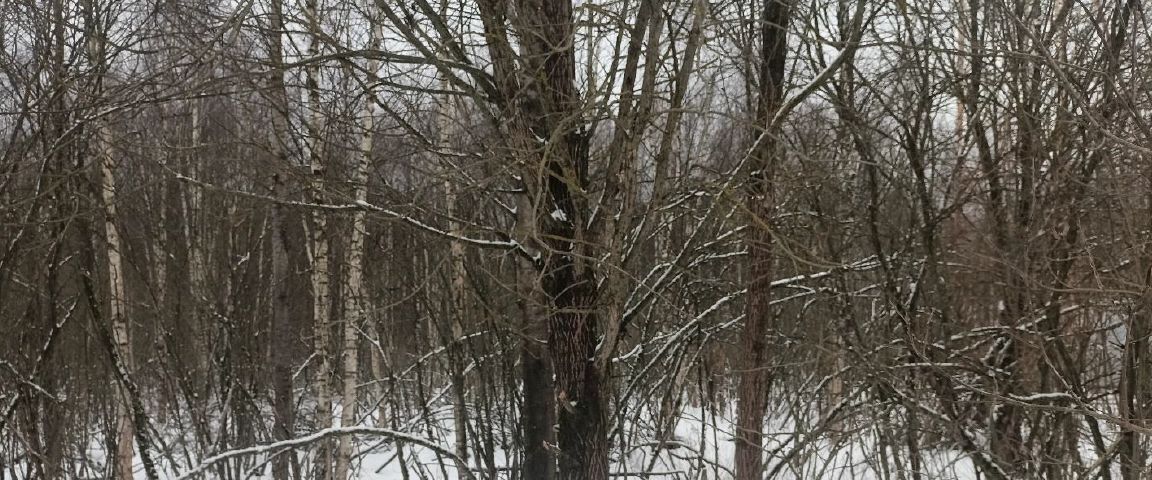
x: 701, y: 446
x: 704, y: 444
x: 1045, y: 397
x: 798, y: 445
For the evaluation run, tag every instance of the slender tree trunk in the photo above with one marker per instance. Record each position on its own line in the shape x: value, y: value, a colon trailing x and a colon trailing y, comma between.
x: 319, y: 247
x: 1136, y: 375
x: 455, y: 346
x: 354, y: 292
x: 117, y: 301
x: 117, y: 306
x: 621, y: 186
x: 282, y: 332
x: 459, y: 306
x: 196, y: 267
x: 755, y: 375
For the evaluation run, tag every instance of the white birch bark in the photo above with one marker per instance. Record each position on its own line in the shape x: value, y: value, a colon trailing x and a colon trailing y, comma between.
x: 319, y: 249
x: 125, y: 429
x: 192, y: 207
x: 354, y: 295
x: 458, y: 306
x: 353, y: 306
x: 455, y: 347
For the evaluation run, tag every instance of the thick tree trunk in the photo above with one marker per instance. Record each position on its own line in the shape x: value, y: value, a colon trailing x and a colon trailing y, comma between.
x: 755, y: 375
x: 572, y: 339
x: 538, y: 414
x: 544, y: 125
x: 282, y: 333
x: 283, y: 329
x: 568, y: 278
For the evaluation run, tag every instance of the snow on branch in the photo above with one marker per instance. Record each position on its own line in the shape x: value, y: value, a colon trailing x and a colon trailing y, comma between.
x: 277, y: 447
x: 362, y: 205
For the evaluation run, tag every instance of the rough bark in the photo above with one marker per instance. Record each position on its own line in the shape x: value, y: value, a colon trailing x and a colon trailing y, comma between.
x: 567, y: 275
x: 538, y: 414
x: 538, y: 411
x: 282, y: 326
x: 755, y: 374
x: 541, y: 113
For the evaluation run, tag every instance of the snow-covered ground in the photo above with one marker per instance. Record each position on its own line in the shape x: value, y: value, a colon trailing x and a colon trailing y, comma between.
x: 701, y: 448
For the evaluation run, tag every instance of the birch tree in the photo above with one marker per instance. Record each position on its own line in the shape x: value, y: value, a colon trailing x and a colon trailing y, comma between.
x: 117, y: 296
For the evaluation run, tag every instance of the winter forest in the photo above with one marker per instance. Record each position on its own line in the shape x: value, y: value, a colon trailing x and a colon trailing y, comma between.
x: 575, y: 239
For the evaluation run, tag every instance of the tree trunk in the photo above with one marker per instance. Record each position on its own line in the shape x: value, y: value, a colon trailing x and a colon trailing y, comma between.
x: 538, y: 413
x: 544, y: 116
x: 572, y: 339
x: 456, y: 358
x: 283, y: 330
x: 354, y: 293
x: 458, y: 305
x: 117, y: 306
x: 1136, y: 375
x: 755, y: 376
x: 319, y: 247
x: 117, y: 301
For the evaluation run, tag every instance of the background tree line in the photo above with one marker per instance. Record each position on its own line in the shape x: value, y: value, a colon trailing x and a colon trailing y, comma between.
x: 542, y: 239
